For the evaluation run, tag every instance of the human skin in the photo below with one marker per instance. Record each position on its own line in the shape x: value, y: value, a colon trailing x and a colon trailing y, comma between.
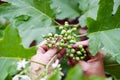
x: 93, y: 66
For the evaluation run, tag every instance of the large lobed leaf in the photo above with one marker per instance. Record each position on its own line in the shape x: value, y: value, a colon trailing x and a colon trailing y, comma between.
x: 32, y: 18
x: 7, y: 67
x: 11, y: 50
x: 65, y: 8
x: 104, y: 31
x: 111, y: 66
x: 76, y: 74
x: 10, y: 45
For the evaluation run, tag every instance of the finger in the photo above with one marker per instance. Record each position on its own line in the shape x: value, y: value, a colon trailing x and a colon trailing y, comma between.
x: 42, y: 44
x: 84, y: 43
x: 50, y: 53
x: 84, y: 65
x: 97, y: 57
x: 40, y: 50
x: 61, y: 53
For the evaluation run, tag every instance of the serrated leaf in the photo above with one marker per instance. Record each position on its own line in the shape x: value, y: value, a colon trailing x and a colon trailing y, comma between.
x: 89, y: 9
x: 116, y: 5
x: 106, y: 28
x: 75, y: 74
x: 7, y: 67
x: 10, y: 45
x: 109, y: 64
x: 65, y: 8
x: 36, y: 18
x: 56, y: 75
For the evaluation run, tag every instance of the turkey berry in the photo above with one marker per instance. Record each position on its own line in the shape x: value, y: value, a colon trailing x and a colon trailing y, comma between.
x: 65, y: 39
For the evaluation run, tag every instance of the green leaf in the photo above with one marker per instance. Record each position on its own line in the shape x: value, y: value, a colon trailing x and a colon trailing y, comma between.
x: 65, y: 8
x: 7, y: 67
x: 75, y: 73
x: 109, y: 64
x: 106, y: 28
x: 31, y: 17
x: 10, y: 45
x: 56, y: 75
x: 89, y: 9
x: 116, y: 5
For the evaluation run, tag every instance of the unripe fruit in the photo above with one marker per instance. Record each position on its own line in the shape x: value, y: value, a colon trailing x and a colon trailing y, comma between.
x: 68, y: 32
x: 72, y: 41
x: 65, y: 39
x: 66, y: 25
x: 74, y: 29
x: 43, y: 36
x: 61, y: 27
x: 50, y: 45
x: 71, y: 55
x: 72, y: 51
x: 56, y: 35
x: 69, y: 46
x: 63, y: 32
x: 50, y: 34
x: 79, y: 53
x: 53, y: 42
x: 80, y: 46
x: 77, y: 58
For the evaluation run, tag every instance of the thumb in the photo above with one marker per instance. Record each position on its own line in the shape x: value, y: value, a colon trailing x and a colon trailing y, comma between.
x: 84, y: 65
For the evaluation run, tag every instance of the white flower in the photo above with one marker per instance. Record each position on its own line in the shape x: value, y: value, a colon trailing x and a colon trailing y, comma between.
x: 21, y: 77
x: 21, y: 64
x: 56, y: 64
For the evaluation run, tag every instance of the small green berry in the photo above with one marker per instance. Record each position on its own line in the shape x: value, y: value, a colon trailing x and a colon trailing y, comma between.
x: 79, y: 53
x: 71, y: 55
x: 72, y: 41
x: 69, y: 46
x: 77, y: 58
x: 72, y: 51
x: 53, y: 42
x: 56, y: 35
x: 50, y: 34
x: 43, y: 36
x: 82, y: 57
x: 82, y: 50
x: 80, y: 46
x: 69, y: 38
x: 63, y: 32
x: 50, y: 45
x: 73, y: 58
x: 67, y: 54
x: 60, y: 48
x: 66, y: 24
x: 62, y: 40
x: 74, y: 29
x: 68, y: 32
x: 61, y: 27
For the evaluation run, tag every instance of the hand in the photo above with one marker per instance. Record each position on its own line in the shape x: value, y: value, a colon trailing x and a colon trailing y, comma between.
x: 43, y: 56
x: 93, y: 66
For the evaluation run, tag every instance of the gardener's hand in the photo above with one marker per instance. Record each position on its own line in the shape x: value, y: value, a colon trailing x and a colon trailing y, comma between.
x: 43, y: 56
x: 93, y: 66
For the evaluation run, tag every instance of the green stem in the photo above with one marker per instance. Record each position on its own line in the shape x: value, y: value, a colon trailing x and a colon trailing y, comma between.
x: 47, y: 66
x: 81, y: 35
x: 38, y: 63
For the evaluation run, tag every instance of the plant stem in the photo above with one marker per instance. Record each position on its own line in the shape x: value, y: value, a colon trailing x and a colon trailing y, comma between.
x: 38, y: 63
x: 47, y: 66
x: 81, y: 35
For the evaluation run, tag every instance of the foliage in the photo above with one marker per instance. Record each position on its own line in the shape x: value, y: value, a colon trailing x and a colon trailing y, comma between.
x: 29, y: 19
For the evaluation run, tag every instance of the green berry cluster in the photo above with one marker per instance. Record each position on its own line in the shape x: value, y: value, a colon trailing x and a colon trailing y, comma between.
x: 77, y: 54
x: 65, y: 39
